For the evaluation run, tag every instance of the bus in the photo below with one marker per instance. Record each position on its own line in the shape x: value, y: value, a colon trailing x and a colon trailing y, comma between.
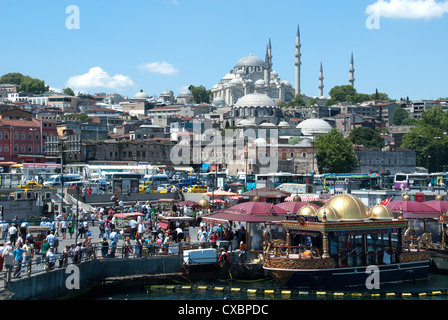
x: 344, y: 182
x: 57, y: 179
x: 405, y: 181
x: 273, y: 180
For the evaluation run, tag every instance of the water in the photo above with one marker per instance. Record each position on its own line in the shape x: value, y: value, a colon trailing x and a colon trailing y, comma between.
x: 434, y: 288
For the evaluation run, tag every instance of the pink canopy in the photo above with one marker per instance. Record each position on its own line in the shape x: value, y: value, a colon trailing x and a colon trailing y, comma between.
x: 293, y: 207
x: 257, y: 208
x: 438, y: 205
x: 127, y: 215
x: 412, y: 209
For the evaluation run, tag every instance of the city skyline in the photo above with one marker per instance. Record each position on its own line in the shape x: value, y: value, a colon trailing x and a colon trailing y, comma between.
x: 122, y: 47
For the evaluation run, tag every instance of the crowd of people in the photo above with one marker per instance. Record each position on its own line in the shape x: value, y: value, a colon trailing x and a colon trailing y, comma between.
x: 141, y: 235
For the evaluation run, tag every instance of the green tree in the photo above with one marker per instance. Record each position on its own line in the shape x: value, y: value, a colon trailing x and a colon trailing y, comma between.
x: 33, y: 85
x: 294, y: 140
x: 297, y: 101
x: 343, y: 93
x: 201, y: 94
x: 12, y: 78
x: 399, y: 116
x: 366, y: 137
x: 313, y: 101
x: 335, y: 154
x: 68, y: 91
x: 428, y: 139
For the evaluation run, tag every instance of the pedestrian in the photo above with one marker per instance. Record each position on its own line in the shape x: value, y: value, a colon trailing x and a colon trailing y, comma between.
x: 18, y: 259
x: 107, y: 227
x: 8, y: 256
x: 71, y: 228
x: 114, y: 242
x: 12, y: 231
x: 63, y: 228
x: 50, y: 239
x: 28, y: 254
x: 51, y: 258
x: 127, y: 247
x: 104, y: 248
x: 44, y: 249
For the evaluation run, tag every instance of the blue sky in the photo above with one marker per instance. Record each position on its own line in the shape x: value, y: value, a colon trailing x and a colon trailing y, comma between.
x: 155, y: 45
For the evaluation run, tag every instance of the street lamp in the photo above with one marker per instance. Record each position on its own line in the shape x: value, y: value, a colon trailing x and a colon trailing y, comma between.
x: 34, y: 152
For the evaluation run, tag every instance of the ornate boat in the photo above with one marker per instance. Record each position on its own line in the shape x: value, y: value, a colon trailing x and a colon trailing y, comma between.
x: 343, y: 243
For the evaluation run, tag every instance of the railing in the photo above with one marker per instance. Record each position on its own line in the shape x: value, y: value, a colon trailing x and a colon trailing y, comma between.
x: 39, y: 264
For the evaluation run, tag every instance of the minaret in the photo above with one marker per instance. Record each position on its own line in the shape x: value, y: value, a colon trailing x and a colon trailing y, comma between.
x: 298, y: 63
x: 268, y: 64
x: 321, y: 81
x: 352, y: 72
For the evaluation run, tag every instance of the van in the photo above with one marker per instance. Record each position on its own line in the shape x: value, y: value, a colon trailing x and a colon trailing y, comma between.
x: 55, y: 180
x: 156, y: 179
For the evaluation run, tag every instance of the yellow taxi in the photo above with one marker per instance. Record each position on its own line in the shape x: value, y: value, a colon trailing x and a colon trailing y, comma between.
x: 198, y: 189
x: 30, y: 185
x: 144, y: 189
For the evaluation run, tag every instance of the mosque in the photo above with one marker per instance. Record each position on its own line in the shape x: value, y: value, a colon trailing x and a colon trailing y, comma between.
x: 253, y: 91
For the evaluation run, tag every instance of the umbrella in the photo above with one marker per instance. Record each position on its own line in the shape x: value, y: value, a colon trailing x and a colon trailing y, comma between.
x: 412, y: 209
x: 226, y: 216
x: 257, y: 208
x: 293, y: 207
x: 188, y: 203
x: 217, y: 201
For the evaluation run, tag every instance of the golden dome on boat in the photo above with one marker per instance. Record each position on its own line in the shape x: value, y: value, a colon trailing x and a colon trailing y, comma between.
x: 296, y: 199
x: 331, y: 214
x: 439, y: 197
x: 406, y: 197
x: 204, y: 203
x: 256, y: 199
x: 380, y: 212
x: 307, y: 211
x: 348, y: 207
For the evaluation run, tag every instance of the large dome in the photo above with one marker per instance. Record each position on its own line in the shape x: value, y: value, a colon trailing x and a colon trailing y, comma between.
x: 255, y: 100
x: 314, y: 126
x: 348, y: 207
x: 250, y: 61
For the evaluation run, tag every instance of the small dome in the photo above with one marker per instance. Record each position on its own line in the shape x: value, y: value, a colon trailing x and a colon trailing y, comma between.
x: 267, y: 124
x: 141, y: 95
x: 406, y: 197
x: 186, y: 93
x: 287, y: 84
x: 167, y: 93
x: 256, y: 199
x: 307, y: 211
x: 348, y: 207
x: 259, y: 82
x: 219, y: 102
x: 439, y: 197
x: 296, y: 198
x: 284, y: 124
x: 204, y: 203
x: 380, y: 212
x: 236, y: 81
x: 314, y: 126
x: 246, y: 123
x: 331, y: 214
x: 255, y: 100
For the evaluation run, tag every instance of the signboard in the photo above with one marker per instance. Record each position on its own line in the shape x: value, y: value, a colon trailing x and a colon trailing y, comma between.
x: 419, y: 196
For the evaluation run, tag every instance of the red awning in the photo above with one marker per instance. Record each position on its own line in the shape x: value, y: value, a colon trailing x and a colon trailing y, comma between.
x: 163, y: 225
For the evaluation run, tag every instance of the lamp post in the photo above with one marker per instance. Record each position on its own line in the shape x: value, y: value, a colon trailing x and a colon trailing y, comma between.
x: 34, y: 153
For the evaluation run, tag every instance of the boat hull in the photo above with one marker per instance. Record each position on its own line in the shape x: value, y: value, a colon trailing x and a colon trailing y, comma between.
x: 439, y: 260
x: 321, y: 273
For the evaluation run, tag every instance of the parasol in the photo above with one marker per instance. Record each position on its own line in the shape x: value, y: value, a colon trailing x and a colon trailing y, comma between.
x: 293, y: 207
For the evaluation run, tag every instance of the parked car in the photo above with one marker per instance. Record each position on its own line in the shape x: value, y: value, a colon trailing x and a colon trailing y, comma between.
x: 30, y: 185
x: 197, y: 189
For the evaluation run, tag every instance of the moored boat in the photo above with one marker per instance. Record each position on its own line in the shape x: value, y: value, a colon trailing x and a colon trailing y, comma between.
x: 344, y: 243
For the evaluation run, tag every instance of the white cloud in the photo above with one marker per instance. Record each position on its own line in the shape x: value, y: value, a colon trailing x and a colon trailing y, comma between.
x: 159, y: 67
x: 408, y: 9
x: 98, y: 78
